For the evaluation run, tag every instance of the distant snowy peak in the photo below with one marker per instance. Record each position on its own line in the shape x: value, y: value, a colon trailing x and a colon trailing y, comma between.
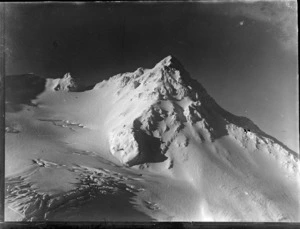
x: 67, y: 83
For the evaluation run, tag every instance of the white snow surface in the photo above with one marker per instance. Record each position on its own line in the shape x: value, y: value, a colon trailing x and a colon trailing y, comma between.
x: 150, y: 145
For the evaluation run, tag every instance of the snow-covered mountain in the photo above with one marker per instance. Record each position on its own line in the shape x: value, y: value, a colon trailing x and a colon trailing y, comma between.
x: 175, y: 103
x: 21, y: 89
x: 157, y: 130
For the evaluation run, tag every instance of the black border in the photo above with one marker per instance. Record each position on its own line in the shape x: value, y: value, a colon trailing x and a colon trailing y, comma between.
x: 2, y: 107
x: 158, y: 225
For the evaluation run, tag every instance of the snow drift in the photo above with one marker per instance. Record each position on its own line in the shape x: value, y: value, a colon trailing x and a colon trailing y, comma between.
x: 155, y: 133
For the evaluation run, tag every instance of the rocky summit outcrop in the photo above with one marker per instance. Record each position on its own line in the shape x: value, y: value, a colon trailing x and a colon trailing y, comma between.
x: 67, y: 83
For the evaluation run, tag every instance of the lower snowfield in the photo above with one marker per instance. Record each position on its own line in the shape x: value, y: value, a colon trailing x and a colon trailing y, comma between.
x: 121, y: 155
x: 59, y: 167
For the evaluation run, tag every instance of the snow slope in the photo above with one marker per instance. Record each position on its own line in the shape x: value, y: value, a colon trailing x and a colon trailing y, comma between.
x: 152, y: 140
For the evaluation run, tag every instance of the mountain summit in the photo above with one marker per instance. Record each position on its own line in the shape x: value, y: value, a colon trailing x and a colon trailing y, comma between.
x: 175, y: 105
x: 172, y: 62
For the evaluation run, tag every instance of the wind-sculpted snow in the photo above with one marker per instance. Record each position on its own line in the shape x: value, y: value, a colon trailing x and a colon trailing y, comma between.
x: 64, y: 123
x: 92, y: 183
x: 13, y: 130
x: 249, y: 140
x: 145, y: 145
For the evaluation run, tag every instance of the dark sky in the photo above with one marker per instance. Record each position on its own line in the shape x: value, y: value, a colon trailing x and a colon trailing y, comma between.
x: 245, y: 55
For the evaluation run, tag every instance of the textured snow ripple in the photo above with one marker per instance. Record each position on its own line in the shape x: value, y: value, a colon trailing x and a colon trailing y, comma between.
x: 32, y: 205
